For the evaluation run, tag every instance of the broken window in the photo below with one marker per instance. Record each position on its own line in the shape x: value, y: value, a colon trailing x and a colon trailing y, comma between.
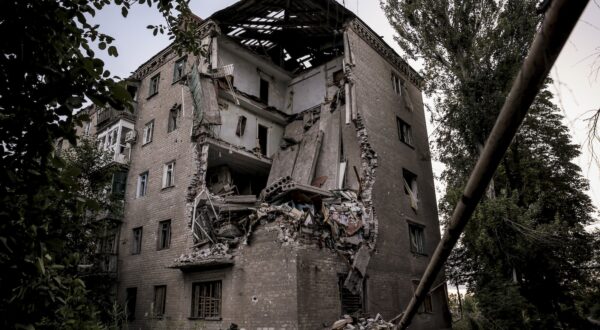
x: 130, y: 302
x: 119, y: 183
x: 404, y: 131
x: 427, y: 306
x: 164, y: 234
x: 160, y: 300
x: 351, y: 303
x: 411, y: 188
x: 142, y: 186
x: 397, y: 83
x: 206, y: 300
x: 417, y: 238
x: 168, y: 175
x: 338, y: 76
x: 133, y: 91
x: 136, y: 242
x: 174, y: 115
x: 178, y: 69
x: 263, y: 134
x: 264, y: 91
x: 153, y: 89
x: 241, y: 126
x: 148, y: 131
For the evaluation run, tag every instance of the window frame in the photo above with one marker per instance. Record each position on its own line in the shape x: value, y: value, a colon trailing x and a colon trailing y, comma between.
x: 195, y: 301
x: 148, y: 132
x: 145, y: 178
x: 163, y: 241
x: 154, y: 85
x: 397, y: 83
x: 179, y: 64
x: 157, y: 292
x: 136, y: 241
x: 411, y: 187
x: 168, y: 180
x: 130, y: 304
x: 404, y: 132
x: 173, y: 121
x: 419, y: 246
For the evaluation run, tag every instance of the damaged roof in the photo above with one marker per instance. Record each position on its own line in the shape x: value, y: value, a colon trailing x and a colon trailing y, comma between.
x: 296, y: 35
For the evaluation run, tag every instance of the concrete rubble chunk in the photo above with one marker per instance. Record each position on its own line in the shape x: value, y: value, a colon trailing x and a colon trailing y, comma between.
x: 304, y: 168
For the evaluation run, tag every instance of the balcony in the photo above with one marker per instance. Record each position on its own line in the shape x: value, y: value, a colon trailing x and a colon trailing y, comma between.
x: 106, y: 116
x: 113, y: 139
x: 102, y: 264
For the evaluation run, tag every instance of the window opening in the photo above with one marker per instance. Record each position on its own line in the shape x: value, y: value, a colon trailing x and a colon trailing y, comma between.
x: 154, y: 81
x: 160, y: 299
x: 169, y: 175
x: 404, y: 132
x: 142, y: 184
x: 174, y: 115
x: 136, y: 246
x: 206, y: 300
x: 263, y: 133
x: 241, y: 126
x: 417, y: 238
x: 130, y: 302
x: 397, y: 83
x: 164, y: 235
x: 148, y: 131
x: 351, y: 303
x: 178, y: 69
x: 411, y: 188
x: 264, y: 91
x: 119, y: 183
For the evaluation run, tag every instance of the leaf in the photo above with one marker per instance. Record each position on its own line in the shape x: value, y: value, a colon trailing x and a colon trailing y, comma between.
x: 102, y: 45
x: 112, y: 51
x: 124, y: 11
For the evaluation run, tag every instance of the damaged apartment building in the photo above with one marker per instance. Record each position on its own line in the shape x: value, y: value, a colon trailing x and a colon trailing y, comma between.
x: 280, y: 180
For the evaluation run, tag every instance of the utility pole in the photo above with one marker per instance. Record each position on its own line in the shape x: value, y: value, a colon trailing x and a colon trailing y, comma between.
x: 560, y: 20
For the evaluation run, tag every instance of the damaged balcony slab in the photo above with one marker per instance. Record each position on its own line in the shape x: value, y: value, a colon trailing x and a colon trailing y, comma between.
x: 216, y: 256
x: 248, y: 162
x: 252, y: 106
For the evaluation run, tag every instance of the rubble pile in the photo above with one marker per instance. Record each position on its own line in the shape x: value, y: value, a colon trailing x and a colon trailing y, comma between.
x: 361, y: 323
x: 336, y: 220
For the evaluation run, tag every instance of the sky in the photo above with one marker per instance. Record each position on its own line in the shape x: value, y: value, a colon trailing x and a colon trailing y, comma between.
x: 576, y: 73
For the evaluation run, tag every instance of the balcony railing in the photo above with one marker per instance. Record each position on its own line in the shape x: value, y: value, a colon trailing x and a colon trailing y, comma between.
x: 108, y: 115
x: 102, y: 264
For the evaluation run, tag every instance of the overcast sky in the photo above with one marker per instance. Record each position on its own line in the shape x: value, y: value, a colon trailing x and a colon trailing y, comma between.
x: 576, y: 74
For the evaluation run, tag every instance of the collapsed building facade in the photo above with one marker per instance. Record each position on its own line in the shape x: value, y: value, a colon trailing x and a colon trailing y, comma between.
x: 280, y: 180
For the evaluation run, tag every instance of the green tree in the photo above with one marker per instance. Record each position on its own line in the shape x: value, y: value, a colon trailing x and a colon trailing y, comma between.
x: 47, y: 71
x: 525, y: 251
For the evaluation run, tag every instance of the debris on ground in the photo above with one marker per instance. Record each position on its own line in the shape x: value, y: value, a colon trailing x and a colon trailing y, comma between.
x: 361, y: 323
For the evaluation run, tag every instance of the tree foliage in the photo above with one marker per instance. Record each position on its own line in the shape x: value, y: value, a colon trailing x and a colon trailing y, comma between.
x: 48, y: 70
x: 525, y: 252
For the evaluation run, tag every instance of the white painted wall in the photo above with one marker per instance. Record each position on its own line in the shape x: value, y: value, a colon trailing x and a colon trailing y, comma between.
x: 310, y: 88
x: 229, y: 119
x: 247, y: 72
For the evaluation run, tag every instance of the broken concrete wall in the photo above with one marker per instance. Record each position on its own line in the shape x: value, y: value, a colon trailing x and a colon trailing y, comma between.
x: 249, y: 69
x: 394, y: 265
